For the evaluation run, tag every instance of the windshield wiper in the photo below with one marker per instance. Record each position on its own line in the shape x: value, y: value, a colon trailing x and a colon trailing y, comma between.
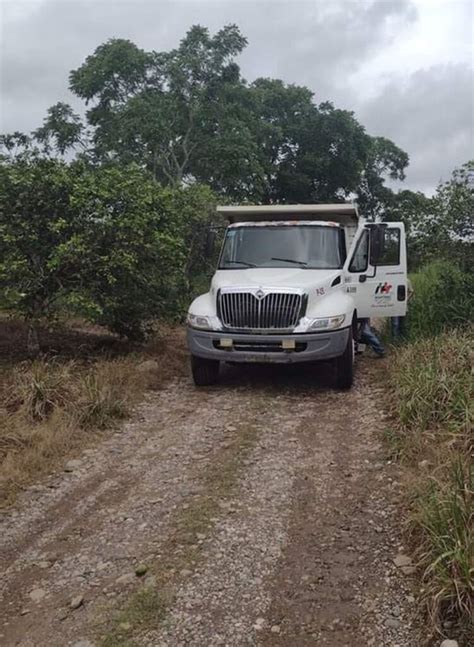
x: 289, y: 260
x: 246, y: 263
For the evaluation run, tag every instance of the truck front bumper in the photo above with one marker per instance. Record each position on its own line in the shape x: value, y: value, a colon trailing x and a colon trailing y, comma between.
x: 253, y: 348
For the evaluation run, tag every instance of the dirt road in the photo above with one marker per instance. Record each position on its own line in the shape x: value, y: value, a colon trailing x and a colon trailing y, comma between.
x: 263, y: 511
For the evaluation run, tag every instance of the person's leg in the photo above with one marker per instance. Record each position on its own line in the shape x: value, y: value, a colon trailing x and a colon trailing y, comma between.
x: 396, y: 327
x: 369, y: 337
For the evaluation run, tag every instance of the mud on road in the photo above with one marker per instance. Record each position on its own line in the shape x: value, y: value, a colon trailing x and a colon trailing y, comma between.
x: 262, y: 511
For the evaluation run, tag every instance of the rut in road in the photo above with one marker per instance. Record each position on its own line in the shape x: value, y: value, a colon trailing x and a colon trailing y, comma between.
x: 263, y: 508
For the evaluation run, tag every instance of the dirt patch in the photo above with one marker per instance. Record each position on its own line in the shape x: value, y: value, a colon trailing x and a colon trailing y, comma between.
x: 336, y: 583
x: 263, y: 510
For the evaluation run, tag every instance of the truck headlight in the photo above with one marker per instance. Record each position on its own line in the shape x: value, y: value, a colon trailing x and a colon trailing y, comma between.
x: 203, y: 322
x: 326, y: 323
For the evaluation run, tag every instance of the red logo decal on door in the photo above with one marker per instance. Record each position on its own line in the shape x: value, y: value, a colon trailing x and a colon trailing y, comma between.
x: 383, y: 288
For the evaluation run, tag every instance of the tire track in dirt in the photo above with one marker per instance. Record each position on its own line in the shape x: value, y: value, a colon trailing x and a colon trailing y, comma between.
x: 298, y: 553
x: 296, y: 563
x: 148, y: 471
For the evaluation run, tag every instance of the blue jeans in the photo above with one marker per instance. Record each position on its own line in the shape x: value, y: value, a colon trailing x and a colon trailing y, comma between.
x: 398, y: 327
x: 367, y: 336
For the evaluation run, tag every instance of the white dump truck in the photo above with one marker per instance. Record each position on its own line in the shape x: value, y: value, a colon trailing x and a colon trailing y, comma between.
x: 291, y: 283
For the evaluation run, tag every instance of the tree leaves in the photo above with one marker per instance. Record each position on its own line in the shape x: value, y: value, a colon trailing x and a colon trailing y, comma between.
x: 109, y: 242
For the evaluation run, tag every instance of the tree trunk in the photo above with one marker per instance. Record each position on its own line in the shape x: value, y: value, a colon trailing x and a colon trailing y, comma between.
x: 33, y: 345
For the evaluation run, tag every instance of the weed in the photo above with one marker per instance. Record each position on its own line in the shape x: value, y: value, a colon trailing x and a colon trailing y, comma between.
x: 52, y: 406
x: 445, y: 516
x: 39, y: 389
x: 433, y: 395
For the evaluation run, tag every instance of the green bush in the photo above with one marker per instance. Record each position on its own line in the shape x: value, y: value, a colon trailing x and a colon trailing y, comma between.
x: 443, y: 298
x: 109, y: 244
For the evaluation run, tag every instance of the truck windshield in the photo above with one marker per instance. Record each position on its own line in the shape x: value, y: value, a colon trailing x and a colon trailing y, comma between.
x: 304, y: 246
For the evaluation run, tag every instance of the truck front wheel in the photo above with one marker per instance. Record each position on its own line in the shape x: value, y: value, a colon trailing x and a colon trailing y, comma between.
x: 205, y: 371
x: 345, y: 365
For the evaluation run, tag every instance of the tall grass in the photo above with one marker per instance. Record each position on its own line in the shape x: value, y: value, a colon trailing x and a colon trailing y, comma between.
x: 445, y: 517
x: 434, y: 382
x: 86, y: 381
x: 433, y: 394
x: 443, y: 299
x: 48, y: 406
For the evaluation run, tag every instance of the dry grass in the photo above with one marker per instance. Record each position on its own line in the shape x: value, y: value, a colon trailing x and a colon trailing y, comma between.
x: 54, y: 405
x: 433, y: 395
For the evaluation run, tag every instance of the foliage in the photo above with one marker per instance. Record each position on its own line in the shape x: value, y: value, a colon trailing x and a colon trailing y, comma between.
x: 433, y: 393
x: 62, y: 129
x: 36, y: 221
x: 443, y: 298
x: 384, y: 158
x: 441, y: 226
x: 435, y: 387
x: 108, y: 242
x: 187, y: 116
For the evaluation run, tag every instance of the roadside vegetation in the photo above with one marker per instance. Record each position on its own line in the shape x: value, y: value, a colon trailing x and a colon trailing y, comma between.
x: 433, y: 394
x: 84, y: 382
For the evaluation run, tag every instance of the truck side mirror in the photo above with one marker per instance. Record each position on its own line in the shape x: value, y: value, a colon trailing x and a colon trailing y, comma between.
x: 377, y: 239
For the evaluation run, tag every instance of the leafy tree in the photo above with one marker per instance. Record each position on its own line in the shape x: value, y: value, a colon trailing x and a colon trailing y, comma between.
x: 187, y: 115
x: 441, y: 226
x: 108, y: 243
x: 325, y: 158
x: 62, y: 129
x: 384, y: 159
x: 35, y: 223
x: 154, y: 107
x: 13, y: 145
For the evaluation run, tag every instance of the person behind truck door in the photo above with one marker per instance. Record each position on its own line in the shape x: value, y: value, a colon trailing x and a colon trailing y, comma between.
x: 368, y: 336
x: 398, y: 324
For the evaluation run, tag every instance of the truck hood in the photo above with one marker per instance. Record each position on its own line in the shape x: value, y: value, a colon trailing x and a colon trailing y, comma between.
x: 273, y: 277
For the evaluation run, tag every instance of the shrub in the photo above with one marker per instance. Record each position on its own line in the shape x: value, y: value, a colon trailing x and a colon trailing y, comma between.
x: 109, y: 244
x: 39, y: 389
x: 443, y: 298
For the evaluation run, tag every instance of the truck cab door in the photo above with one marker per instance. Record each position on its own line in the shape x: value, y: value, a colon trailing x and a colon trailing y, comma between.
x: 376, y: 271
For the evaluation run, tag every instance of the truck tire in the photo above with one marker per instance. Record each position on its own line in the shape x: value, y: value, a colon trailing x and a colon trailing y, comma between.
x: 345, y: 365
x: 205, y: 371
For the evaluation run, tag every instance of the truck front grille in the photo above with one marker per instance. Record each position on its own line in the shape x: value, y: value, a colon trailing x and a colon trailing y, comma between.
x: 273, y: 311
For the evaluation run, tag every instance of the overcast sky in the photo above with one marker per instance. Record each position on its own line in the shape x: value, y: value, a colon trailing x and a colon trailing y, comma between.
x: 405, y: 67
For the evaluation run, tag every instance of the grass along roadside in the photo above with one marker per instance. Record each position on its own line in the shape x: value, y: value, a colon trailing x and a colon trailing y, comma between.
x: 53, y: 406
x: 147, y: 607
x: 432, y: 387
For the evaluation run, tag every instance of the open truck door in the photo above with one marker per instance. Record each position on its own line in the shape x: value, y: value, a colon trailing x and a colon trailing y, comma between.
x: 376, y: 271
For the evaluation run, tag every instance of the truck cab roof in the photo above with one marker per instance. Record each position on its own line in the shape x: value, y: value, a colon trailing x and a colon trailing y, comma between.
x: 337, y: 214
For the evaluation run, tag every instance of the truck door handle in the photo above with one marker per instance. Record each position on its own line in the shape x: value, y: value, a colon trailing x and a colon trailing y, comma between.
x: 401, y: 293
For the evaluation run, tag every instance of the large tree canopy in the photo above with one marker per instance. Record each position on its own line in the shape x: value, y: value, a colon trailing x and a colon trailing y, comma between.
x: 187, y: 116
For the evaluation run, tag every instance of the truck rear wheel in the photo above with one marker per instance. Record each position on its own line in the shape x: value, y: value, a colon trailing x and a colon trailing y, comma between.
x: 345, y: 365
x: 205, y: 371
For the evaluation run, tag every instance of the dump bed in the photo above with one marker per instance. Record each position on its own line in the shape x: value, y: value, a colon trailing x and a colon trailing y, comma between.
x: 343, y: 213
